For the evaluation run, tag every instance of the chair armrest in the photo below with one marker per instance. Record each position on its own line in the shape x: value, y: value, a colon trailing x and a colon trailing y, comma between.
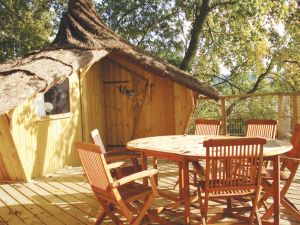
x: 115, y: 165
x: 119, y: 155
x: 286, y: 158
x: 135, y: 176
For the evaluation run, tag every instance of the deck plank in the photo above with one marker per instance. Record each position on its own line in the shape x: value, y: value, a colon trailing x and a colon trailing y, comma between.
x: 7, y: 216
x: 65, y: 198
x: 35, y: 209
x: 18, y: 210
x: 71, y: 215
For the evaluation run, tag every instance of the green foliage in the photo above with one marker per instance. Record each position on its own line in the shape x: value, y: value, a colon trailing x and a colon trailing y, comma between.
x: 154, y: 25
x: 26, y: 25
x: 245, y: 46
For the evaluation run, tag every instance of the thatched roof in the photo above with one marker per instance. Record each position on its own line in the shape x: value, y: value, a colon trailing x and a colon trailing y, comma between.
x: 82, y: 39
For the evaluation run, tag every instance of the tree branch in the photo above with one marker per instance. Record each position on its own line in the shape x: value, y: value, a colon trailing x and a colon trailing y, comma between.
x: 261, y: 77
x: 292, y: 62
x: 285, y: 81
x: 124, y: 15
x: 153, y: 24
x: 224, y: 80
x: 210, y: 31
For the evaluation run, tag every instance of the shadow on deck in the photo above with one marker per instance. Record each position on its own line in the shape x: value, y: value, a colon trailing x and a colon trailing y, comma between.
x: 64, y: 197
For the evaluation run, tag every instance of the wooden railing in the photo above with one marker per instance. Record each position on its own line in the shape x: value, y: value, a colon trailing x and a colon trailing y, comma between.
x: 234, y: 110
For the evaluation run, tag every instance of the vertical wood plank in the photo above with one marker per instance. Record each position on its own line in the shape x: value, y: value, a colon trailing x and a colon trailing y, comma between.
x: 280, y: 117
x: 11, y: 167
x: 224, y: 116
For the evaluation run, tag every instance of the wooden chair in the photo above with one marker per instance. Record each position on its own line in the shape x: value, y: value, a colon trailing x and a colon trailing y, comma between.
x: 202, y: 127
x: 290, y: 163
x: 121, y: 196
x: 207, y: 127
x: 225, y: 180
x: 117, y: 155
x: 261, y: 128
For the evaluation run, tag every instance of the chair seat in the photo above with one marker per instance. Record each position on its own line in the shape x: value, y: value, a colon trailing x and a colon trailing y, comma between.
x: 130, y: 192
x: 134, y: 191
x: 225, y: 193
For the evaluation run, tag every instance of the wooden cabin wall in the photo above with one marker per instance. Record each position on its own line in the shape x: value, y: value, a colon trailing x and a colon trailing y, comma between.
x: 159, y: 106
x: 92, y: 98
x: 185, y: 106
x: 11, y: 168
x: 45, y: 144
x: 118, y: 107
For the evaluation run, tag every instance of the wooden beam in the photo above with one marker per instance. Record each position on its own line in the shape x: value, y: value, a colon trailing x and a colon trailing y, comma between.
x: 11, y: 168
x: 224, y: 116
x: 280, y: 117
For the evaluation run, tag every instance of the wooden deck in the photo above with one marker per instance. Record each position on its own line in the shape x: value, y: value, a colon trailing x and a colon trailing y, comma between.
x: 64, y: 197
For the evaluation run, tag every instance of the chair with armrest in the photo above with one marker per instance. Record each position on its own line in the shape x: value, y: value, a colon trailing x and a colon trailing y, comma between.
x: 122, y: 196
x: 225, y: 180
x: 289, y: 166
x: 117, y: 155
x: 261, y: 128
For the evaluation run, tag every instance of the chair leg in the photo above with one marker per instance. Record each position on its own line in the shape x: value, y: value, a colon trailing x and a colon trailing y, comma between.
x: 291, y: 208
x: 203, y: 211
x: 100, y: 216
x: 257, y: 215
x: 154, y: 164
x: 135, y: 164
x: 108, y: 211
x: 268, y: 193
x: 254, y: 205
x: 143, y: 211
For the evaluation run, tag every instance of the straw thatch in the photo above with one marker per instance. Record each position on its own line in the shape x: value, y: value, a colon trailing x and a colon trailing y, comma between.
x: 82, y: 39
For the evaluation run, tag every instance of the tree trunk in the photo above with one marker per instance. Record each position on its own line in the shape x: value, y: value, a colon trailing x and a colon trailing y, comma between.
x: 195, y: 36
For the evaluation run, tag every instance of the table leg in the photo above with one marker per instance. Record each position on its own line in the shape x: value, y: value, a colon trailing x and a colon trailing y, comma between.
x: 276, y: 197
x: 180, y: 179
x: 186, y: 192
x: 154, y: 164
x: 144, y: 167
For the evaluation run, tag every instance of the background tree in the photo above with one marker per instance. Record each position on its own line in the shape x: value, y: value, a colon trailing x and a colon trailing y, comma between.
x: 27, y: 25
x: 238, y: 46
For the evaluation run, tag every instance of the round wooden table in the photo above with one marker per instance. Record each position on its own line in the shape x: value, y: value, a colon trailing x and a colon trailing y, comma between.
x: 187, y: 148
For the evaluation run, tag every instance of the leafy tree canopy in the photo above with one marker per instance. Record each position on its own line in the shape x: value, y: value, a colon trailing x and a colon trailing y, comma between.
x: 27, y: 25
x: 238, y: 46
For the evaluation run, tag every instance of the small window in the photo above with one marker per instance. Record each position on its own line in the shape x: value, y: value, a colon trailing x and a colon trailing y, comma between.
x: 54, y: 101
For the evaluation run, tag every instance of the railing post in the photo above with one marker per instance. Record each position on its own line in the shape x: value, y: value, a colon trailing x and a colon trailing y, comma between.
x: 280, y: 117
x: 223, y: 112
x: 295, y: 111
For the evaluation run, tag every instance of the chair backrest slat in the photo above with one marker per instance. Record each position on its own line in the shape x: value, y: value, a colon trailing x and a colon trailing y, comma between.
x: 261, y: 128
x: 95, y: 167
x: 97, y: 140
x: 207, y: 127
x: 233, y: 164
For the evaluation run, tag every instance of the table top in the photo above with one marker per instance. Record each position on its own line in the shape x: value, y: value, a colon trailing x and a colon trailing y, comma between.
x: 192, y: 145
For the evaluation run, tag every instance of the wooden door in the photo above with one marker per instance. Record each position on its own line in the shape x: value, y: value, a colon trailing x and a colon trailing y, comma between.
x: 124, y: 94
